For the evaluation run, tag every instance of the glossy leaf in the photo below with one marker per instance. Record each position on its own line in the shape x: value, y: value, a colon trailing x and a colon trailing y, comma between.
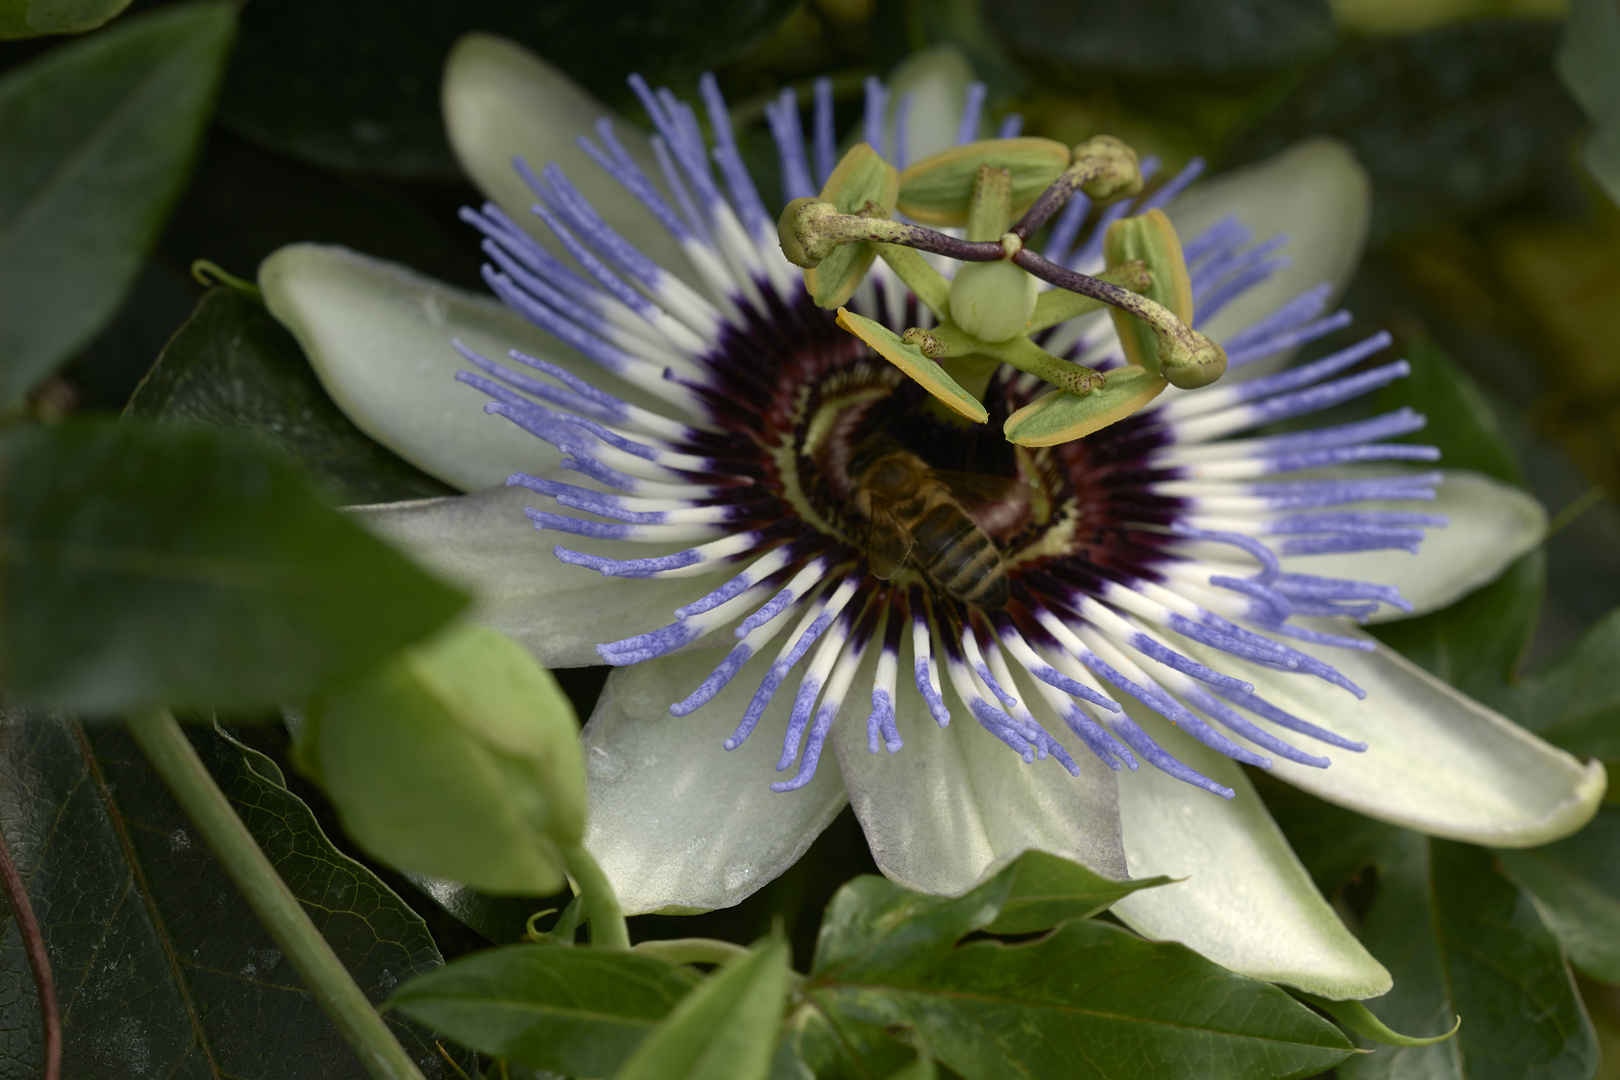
x: 1048, y: 890
x: 357, y: 87
x: 577, y: 1011
x: 165, y: 565
x: 458, y: 758
x: 233, y: 366
x: 1578, y: 883
x: 1586, y: 63
x: 889, y: 954
x: 31, y: 18
x: 724, y: 1029
x: 1460, y: 938
x: 1575, y: 701
x: 161, y: 968
x: 99, y: 136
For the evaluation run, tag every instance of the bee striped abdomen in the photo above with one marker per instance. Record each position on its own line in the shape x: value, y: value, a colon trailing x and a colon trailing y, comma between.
x: 959, y: 558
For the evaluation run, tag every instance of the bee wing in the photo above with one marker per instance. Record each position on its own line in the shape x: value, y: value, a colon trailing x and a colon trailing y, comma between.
x: 890, y: 542
x: 974, y: 490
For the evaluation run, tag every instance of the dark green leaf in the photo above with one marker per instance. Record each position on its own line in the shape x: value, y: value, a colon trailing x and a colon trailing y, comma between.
x: 1048, y: 890
x: 1461, y: 939
x: 1575, y: 701
x: 1088, y: 1000
x: 578, y: 1011
x: 355, y: 86
x: 161, y: 968
x: 31, y: 18
x: 233, y: 366
x: 1578, y: 883
x: 148, y: 564
x: 1461, y: 422
x: 1586, y: 62
x: 99, y: 136
x: 828, y: 1046
x: 724, y: 1029
x: 1449, y: 122
x: 1165, y: 39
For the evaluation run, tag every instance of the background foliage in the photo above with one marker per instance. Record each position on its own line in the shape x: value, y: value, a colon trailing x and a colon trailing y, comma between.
x: 212, y: 130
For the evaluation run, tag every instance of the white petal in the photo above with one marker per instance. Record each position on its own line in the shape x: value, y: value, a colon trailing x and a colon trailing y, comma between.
x: 939, y: 78
x: 378, y: 335
x: 679, y: 824
x: 501, y: 101
x: 1436, y: 760
x: 1314, y: 191
x: 483, y: 543
x: 955, y: 803
x: 1246, y: 903
x: 1491, y: 524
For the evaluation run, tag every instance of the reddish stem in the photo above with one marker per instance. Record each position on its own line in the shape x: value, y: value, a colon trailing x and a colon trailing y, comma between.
x: 38, y: 961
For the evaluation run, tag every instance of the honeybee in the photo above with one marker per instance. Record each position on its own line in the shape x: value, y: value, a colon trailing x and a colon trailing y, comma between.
x: 918, y: 513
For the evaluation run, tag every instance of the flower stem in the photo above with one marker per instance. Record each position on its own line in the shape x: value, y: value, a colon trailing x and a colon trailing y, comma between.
x: 597, y: 897
x: 173, y: 757
x: 38, y: 961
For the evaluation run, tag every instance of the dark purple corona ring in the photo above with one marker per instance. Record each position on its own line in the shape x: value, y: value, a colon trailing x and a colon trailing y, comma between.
x: 723, y: 430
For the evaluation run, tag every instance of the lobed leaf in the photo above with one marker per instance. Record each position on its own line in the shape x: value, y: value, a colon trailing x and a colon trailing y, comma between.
x: 1075, y: 1003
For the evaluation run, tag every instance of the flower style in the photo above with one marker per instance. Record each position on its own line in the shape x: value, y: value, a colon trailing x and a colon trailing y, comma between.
x: 1179, y: 595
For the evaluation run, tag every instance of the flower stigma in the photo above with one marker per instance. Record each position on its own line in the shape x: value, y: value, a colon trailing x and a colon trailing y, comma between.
x: 919, y: 453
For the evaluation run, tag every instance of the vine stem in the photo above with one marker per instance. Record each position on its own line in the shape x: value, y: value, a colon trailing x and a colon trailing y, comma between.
x: 174, y: 758
x: 597, y: 897
x: 38, y: 961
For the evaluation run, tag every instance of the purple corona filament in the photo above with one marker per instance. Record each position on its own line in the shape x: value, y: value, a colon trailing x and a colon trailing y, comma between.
x: 690, y: 439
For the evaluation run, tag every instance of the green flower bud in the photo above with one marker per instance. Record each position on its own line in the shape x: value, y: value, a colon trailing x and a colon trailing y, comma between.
x: 992, y: 300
